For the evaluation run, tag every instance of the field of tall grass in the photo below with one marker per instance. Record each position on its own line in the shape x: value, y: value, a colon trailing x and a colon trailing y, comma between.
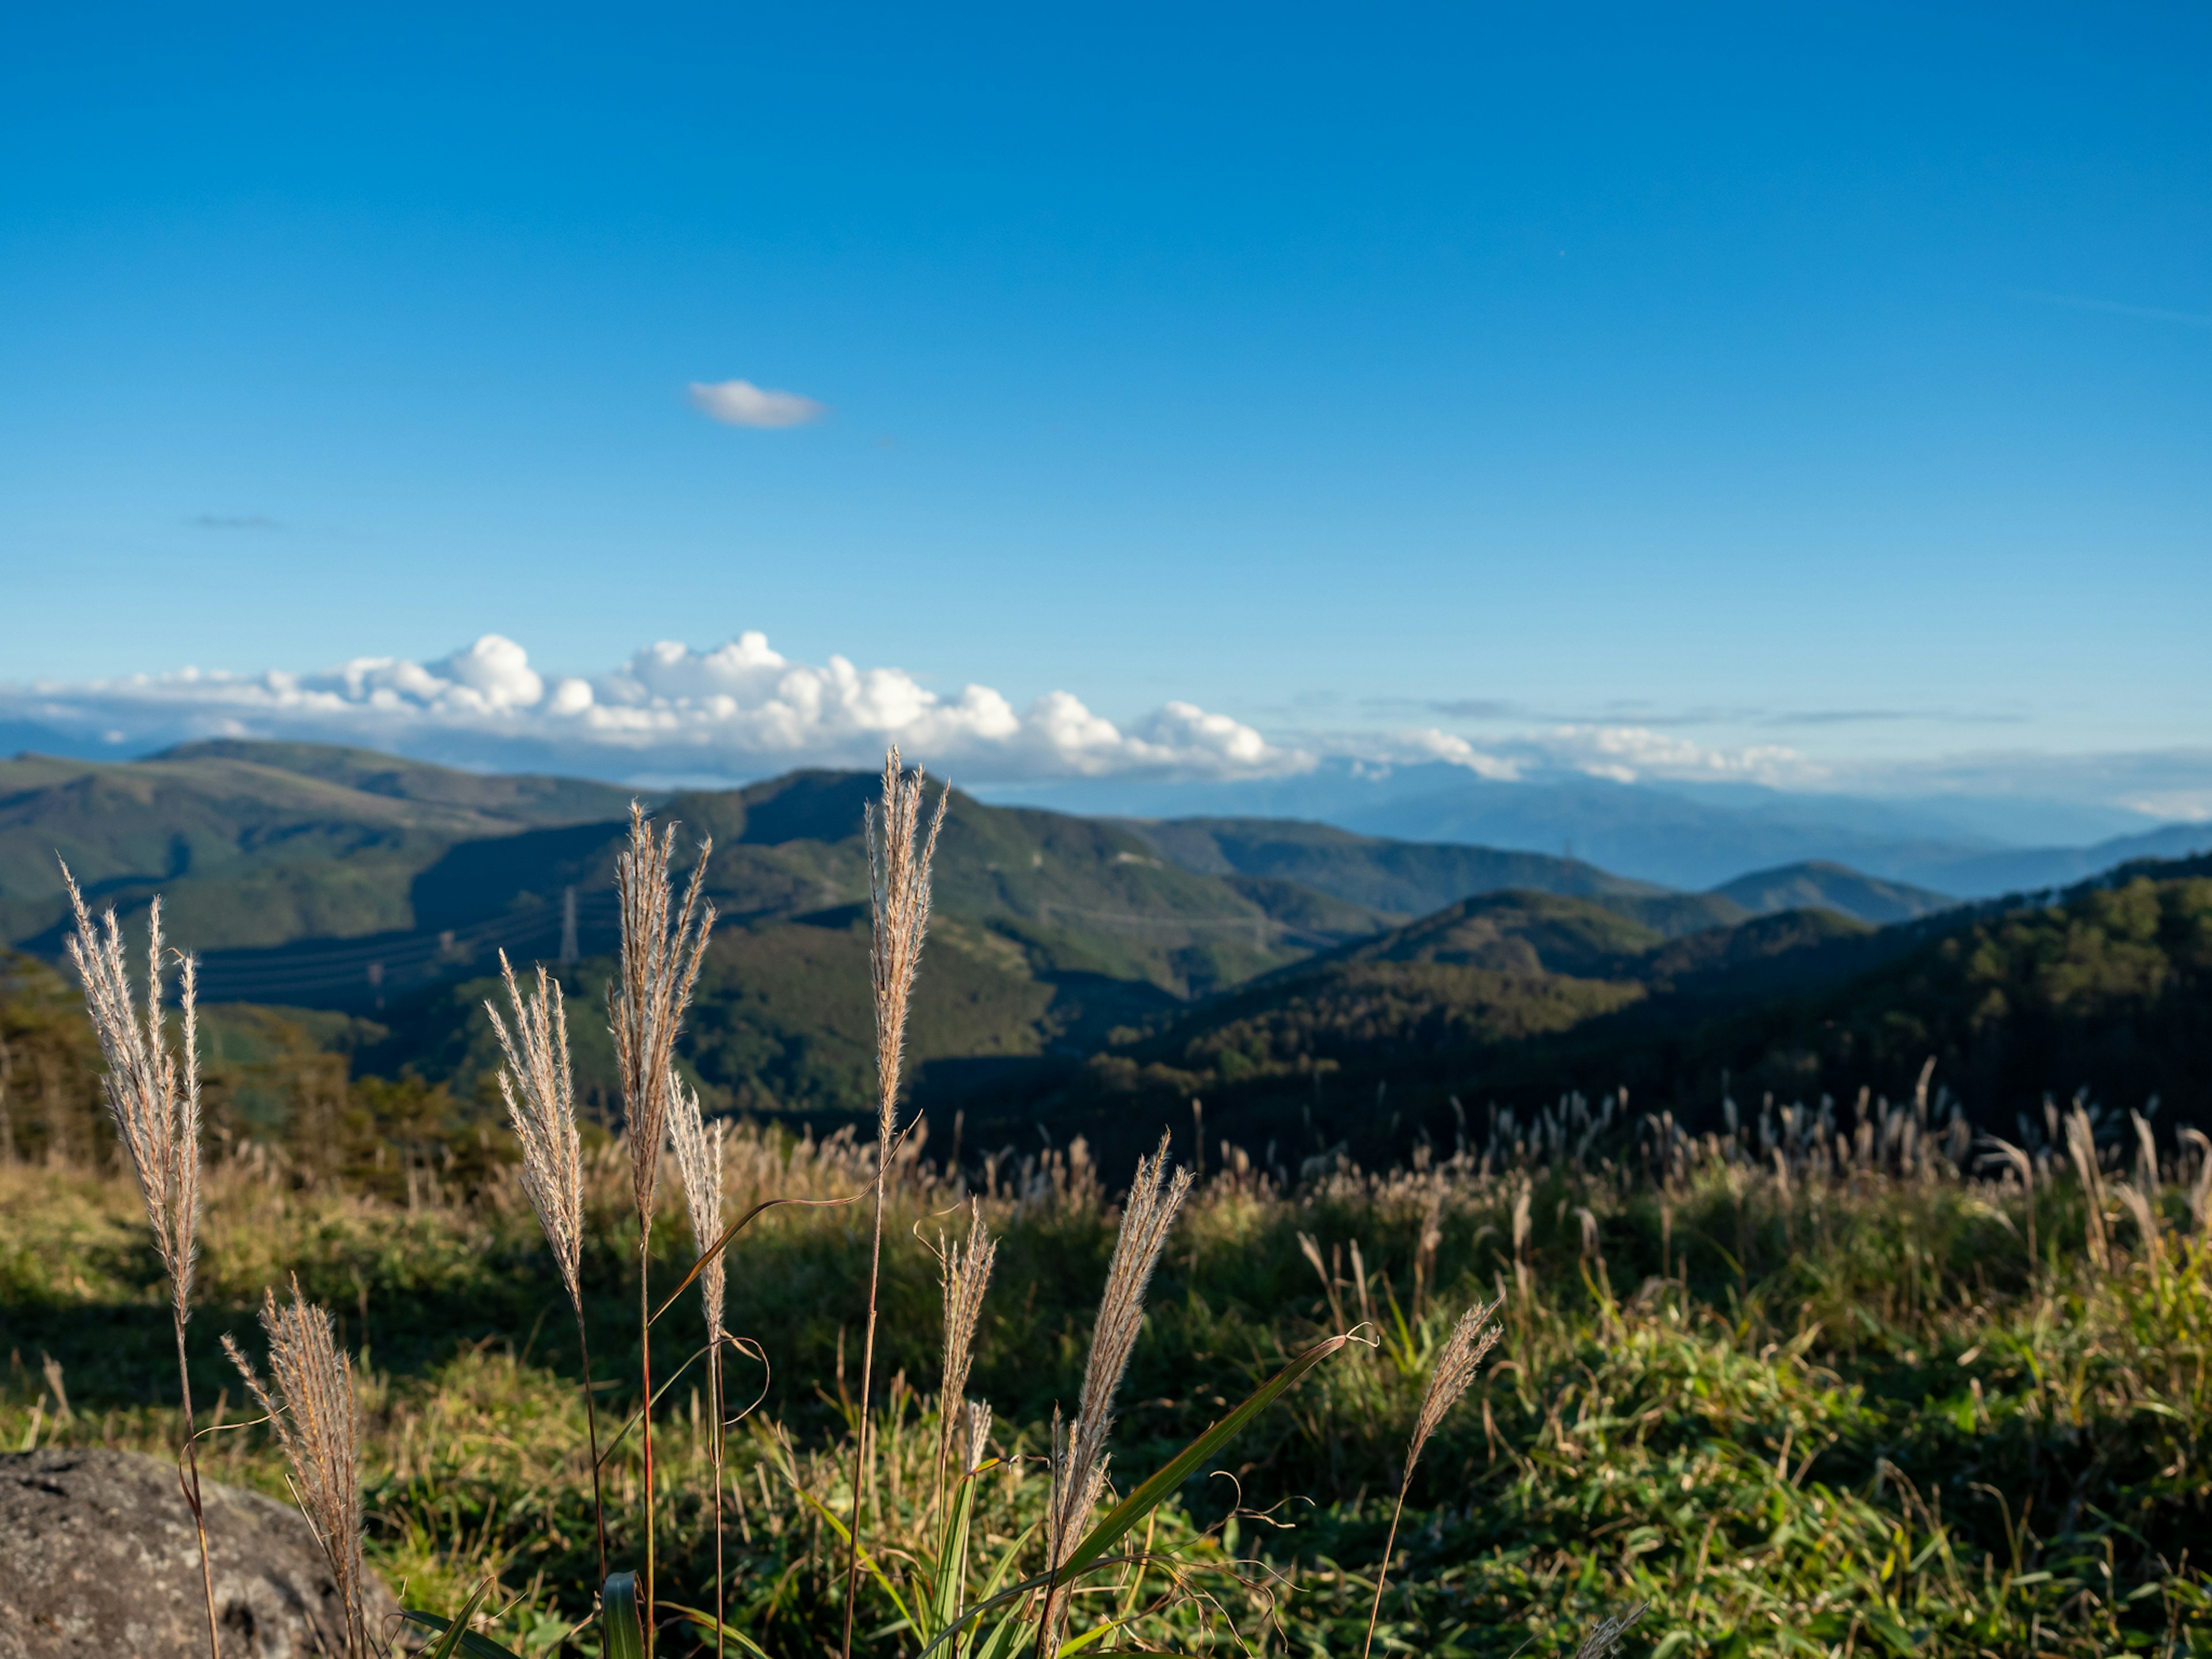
x: 1834, y: 1381
x: 1794, y: 1408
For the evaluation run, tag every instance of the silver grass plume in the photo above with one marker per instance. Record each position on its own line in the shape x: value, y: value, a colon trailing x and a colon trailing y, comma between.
x: 660, y: 957
x: 540, y: 1095
x: 1456, y: 1363
x: 977, y: 1437
x: 311, y: 1407
x: 153, y: 1092
x: 967, y: 1274
x: 154, y: 1096
x: 659, y: 966
x: 898, y: 900
x: 1079, y: 1460
x: 1463, y: 1353
x: 2082, y: 1147
x: 2200, y: 1188
x: 539, y: 1090
x: 699, y: 1163
x: 698, y: 1149
x: 898, y: 917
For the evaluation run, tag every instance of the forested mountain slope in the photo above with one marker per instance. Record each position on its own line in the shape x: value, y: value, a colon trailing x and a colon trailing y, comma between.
x: 1515, y: 998
x: 254, y: 844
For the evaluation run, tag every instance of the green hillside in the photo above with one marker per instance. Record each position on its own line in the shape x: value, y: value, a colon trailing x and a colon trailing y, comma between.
x: 1413, y: 878
x: 253, y: 844
x: 1517, y: 998
x: 1819, y: 885
x: 1485, y: 972
x: 316, y: 878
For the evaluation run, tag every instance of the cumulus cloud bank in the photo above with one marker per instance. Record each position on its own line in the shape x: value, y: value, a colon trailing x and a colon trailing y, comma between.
x: 741, y: 709
x: 740, y: 403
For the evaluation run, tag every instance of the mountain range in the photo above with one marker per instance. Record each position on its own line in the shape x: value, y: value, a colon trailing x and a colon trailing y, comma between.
x: 1081, y: 969
x: 1685, y: 836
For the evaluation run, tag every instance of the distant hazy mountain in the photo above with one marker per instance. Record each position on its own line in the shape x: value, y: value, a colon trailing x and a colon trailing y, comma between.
x: 1694, y: 836
x: 2028, y: 870
x: 1656, y: 834
x: 1819, y: 885
x: 1412, y: 878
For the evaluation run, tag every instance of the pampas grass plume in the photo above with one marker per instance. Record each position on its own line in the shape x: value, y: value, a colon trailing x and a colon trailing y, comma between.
x: 311, y: 1406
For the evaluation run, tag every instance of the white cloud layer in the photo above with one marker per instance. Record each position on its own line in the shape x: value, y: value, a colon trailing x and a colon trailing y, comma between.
x: 1628, y: 753
x: 740, y: 403
x: 1625, y: 754
x: 742, y: 709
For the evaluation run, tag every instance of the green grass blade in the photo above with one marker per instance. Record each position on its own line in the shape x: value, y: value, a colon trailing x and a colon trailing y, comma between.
x: 1162, y: 1484
x: 1140, y: 1502
x: 618, y: 1611
x: 1035, y: 1581
x: 707, y: 1626
x: 952, y: 1560
x: 866, y: 1560
x: 456, y: 1634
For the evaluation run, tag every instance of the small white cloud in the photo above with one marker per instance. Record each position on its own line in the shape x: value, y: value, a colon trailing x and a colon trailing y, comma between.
x: 740, y: 403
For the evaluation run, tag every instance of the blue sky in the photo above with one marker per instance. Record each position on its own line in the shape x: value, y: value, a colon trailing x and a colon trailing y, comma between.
x: 1828, y: 387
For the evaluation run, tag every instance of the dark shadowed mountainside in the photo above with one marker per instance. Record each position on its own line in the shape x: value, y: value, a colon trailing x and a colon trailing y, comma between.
x: 1514, y: 999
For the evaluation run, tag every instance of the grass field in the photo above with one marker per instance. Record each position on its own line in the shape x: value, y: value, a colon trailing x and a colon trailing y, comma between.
x: 1805, y: 1390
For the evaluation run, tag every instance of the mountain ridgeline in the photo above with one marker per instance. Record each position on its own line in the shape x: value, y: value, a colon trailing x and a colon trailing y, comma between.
x: 1313, y: 985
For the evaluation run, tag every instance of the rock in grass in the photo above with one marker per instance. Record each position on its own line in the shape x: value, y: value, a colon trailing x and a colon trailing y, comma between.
x: 97, y: 1557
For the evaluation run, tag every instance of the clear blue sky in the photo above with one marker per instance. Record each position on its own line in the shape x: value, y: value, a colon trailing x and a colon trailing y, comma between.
x: 1755, y: 368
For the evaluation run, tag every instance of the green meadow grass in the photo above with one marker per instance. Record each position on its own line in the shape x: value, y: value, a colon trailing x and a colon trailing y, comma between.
x: 1844, y: 1415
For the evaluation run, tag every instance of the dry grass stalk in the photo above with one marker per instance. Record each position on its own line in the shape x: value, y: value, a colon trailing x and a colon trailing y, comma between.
x: 967, y: 1274
x: 2144, y: 1213
x: 2146, y: 1156
x: 699, y: 1164
x: 2082, y: 1147
x: 52, y: 1369
x: 1079, y: 1458
x: 1461, y: 1357
x: 154, y: 1099
x: 2022, y: 1166
x: 1607, y: 1634
x: 312, y: 1406
x: 1424, y: 1251
x: 2200, y: 1186
x: 660, y: 958
x: 659, y: 967
x: 977, y: 1443
x: 539, y: 1090
x: 153, y: 1095
x: 698, y: 1148
x: 899, y: 859
x: 1522, y: 1201
x: 1311, y: 1250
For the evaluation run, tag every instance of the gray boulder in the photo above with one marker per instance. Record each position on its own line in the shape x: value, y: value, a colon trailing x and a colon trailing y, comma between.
x: 97, y: 1557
